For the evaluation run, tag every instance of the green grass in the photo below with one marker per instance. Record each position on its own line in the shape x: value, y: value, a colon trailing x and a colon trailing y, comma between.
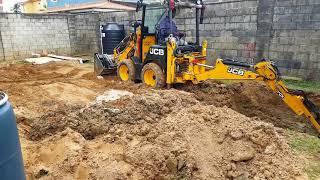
x: 22, y: 62
x: 309, y: 86
x: 308, y: 144
x: 313, y: 171
x: 309, y: 147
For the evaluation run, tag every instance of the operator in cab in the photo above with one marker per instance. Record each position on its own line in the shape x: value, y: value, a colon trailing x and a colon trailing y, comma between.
x: 164, y: 27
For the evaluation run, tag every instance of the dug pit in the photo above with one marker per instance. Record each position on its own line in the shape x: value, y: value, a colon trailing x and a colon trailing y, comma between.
x: 254, y: 100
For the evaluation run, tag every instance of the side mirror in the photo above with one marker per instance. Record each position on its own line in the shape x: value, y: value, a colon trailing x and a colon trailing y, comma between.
x: 139, y: 5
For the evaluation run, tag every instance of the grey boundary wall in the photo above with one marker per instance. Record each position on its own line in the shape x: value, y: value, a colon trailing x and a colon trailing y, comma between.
x: 23, y: 34
x: 285, y: 31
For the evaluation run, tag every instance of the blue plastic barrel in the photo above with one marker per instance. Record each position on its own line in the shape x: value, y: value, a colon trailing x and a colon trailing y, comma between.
x: 11, y: 163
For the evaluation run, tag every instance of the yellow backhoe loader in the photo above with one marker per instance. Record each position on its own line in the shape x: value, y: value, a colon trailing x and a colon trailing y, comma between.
x: 142, y: 57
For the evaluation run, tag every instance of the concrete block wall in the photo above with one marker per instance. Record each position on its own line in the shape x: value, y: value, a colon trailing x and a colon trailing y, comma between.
x: 285, y: 31
x: 66, y: 34
x: 229, y: 26
x: 23, y: 34
x: 124, y: 18
x: 1, y: 48
x: 84, y: 29
x: 84, y: 33
x: 295, y: 36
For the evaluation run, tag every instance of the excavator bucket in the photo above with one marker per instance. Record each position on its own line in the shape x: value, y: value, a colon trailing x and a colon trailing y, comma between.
x: 313, y: 109
x: 310, y: 106
x: 104, y: 65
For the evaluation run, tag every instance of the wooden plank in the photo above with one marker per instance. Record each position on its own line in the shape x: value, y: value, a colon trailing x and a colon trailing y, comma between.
x: 66, y: 58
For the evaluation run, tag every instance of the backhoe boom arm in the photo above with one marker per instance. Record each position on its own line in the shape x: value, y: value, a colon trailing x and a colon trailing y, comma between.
x: 265, y: 71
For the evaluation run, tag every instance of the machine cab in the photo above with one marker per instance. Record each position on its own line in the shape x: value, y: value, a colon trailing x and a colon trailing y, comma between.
x: 146, y: 30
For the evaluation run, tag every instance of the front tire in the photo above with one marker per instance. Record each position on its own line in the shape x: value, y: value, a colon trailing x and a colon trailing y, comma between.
x: 126, y: 70
x: 152, y: 75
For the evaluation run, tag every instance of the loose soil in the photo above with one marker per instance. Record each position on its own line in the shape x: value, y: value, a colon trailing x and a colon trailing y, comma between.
x: 194, y: 132
x: 35, y: 90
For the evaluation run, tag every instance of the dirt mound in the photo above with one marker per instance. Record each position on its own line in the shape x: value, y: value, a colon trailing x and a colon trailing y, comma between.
x: 252, y: 99
x: 96, y: 119
x: 159, y: 135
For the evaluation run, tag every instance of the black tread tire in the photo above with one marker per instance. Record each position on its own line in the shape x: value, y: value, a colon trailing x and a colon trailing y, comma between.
x: 160, y: 76
x: 131, y: 68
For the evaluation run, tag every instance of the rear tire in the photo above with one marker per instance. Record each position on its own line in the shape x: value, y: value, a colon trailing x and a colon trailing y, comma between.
x: 152, y: 75
x: 126, y: 70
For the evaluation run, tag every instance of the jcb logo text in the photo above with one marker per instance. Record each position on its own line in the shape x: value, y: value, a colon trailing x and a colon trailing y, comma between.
x: 157, y: 51
x: 236, y: 71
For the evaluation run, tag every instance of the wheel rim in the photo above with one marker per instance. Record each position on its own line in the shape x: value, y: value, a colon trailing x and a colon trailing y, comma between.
x: 124, y: 72
x: 149, y: 77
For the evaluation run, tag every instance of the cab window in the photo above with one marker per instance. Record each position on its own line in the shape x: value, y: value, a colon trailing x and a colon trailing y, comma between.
x: 152, y: 17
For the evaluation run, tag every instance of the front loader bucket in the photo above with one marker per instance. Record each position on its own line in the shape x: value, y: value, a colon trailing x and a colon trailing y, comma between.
x: 104, y: 65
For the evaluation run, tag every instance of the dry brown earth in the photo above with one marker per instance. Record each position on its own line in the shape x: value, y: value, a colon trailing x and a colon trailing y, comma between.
x: 193, y: 132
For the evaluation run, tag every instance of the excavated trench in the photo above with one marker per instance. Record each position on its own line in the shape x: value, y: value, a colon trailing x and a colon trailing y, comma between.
x: 254, y: 100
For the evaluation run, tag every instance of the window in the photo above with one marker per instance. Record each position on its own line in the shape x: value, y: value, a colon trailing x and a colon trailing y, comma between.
x: 152, y: 18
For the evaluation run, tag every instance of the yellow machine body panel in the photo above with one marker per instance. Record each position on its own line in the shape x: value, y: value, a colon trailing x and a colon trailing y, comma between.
x: 170, y: 62
x: 128, y: 50
x: 148, y: 41
x: 221, y: 71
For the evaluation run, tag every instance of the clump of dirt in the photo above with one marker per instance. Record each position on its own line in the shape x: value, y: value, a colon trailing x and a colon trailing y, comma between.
x: 159, y: 135
x: 252, y: 99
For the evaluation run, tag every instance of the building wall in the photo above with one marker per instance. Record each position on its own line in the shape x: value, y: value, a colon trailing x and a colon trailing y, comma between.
x: 65, y: 3
x: 34, y: 6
